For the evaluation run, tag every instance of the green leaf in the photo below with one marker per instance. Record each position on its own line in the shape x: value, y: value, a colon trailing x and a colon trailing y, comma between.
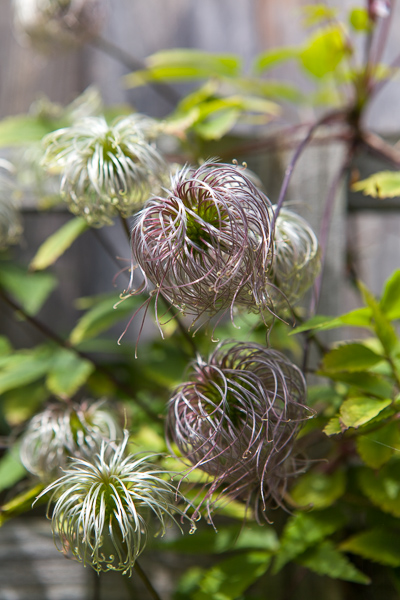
x: 325, y: 559
x: 377, y: 448
x: 219, y: 124
x: 20, y: 403
x: 304, y: 530
x: 21, y: 503
x: 359, y: 19
x: 333, y: 427
x: 369, y: 383
x: 58, y: 243
x: 390, y: 301
x: 270, y: 88
x: 31, y: 290
x: 11, y: 470
x: 230, y: 578
x: 385, y: 184
x: 68, y: 373
x: 324, y: 51
x: 274, y: 57
x: 382, y: 326
x: 361, y: 317
x: 102, y: 316
x: 25, y: 367
x: 355, y: 412
x: 184, y: 64
x: 379, y: 545
x: 318, y: 490
x: 383, y: 487
x: 350, y: 357
x: 316, y: 14
x: 22, y: 129
x: 5, y: 346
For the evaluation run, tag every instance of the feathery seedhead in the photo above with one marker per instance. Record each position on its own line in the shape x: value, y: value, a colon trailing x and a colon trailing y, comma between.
x: 236, y: 418
x: 206, y: 246
x: 107, y: 170
x: 296, y: 261
x: 63, y: 431
x: 10, y: 224
x: 47, y: 25
x: 103, y: 507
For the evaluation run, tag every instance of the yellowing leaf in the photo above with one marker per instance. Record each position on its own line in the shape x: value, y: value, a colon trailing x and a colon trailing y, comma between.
x: 58, y: 243
x: 385, y: 184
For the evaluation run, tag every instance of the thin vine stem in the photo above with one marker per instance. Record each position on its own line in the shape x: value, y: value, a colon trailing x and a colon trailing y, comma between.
x: 146, y: 581
x: 54, y: 337
x: 337, y: 115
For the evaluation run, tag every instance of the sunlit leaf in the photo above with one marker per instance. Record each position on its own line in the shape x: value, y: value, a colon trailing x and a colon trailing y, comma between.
x: 324, y: 51
x: 25, y: 367
x: 58, y: 243
x: 274, y: 57
x: 219, y: 124
x: 318, y: 490
x: 68, y: 373
x: 355, y: 412
x: 382, y: 326
x: 361, y: 317
x: 21, y: 503
x: 325, y: 559
x: 377, y: 447
x: 369, y: 383
x: 390, y: 301
x: 315, y: 14
x: 350, y: 357
x: 11, y: 470
x: 385, y: 184
x: 379, y: 545
x: 22, y: 129
x: 102, y: 316
x: 31, y: 290
x: 333, y: 427
x: 359, y: 19
x: 184, y: 64
x: 306, y: 529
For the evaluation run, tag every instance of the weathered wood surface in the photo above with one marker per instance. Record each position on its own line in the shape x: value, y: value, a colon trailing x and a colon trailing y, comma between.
x: 29, y: 565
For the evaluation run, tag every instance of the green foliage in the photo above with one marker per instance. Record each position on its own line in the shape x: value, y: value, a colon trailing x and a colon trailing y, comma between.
x: 377, y: 447
x: 350, y: 357
x: 31, y: 290
x: 324, y: 51
x: 274, y: 57
x: 58, y: 243
x: 104, y: 311
x: 304, y: 530
x: 226, y: 580
x: 359, y: 20
x: 361, y: 317
x: 325, y: 559
x: 11, y: 470
x: 385, y: 184
x: 390, y: 301
x: 319, y: 490
x: 182, y: 64
x: 383, y: 488
x: 378, y: 545
x: 355, y: 412
x: 68, y: 373
x: 23, y: 129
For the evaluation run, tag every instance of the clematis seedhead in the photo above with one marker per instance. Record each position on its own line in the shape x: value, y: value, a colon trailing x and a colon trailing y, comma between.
x: 236, y: 418
x: 107, y: 170
x: 206, y: 245
x: 103, y: 507
x: 62, y: 431
x: 296, y: 261
x: 48, y: 25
